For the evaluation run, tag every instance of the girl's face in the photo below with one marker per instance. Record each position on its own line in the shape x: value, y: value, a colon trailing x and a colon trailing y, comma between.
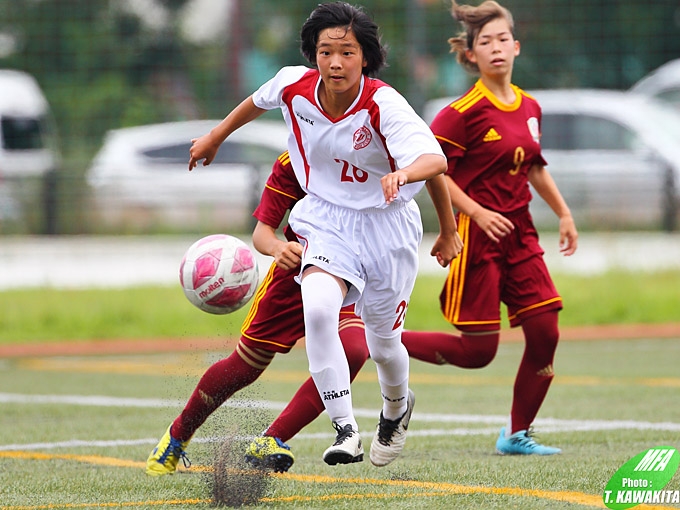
x: 494, y: 49
x: 340, y: 60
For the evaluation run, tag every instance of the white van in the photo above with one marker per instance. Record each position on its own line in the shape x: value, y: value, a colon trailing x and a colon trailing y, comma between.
x: 27, y: 143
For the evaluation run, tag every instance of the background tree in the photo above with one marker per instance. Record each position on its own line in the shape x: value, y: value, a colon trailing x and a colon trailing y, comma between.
x: 105, y: 64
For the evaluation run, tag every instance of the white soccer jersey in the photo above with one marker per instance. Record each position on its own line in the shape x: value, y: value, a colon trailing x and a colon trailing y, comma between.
x: 342, y: 160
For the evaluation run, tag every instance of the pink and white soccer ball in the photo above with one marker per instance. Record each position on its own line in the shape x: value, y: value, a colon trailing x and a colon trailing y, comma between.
x: 219, y: 274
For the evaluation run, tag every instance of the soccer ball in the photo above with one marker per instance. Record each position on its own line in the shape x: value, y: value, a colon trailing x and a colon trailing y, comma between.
x: 219, y: 274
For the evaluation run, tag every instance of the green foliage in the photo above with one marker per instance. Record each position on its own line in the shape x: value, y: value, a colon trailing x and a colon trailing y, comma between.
x: 80, y: 44
x: 103, y: 67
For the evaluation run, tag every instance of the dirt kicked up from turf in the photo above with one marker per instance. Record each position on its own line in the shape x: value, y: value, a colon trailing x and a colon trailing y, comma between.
x: 145, y: 346
x: 234, y: 483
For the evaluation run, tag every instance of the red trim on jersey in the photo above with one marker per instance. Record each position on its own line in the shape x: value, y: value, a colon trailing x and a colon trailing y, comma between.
x: 306, y: 84
x: 374, y: 113
x: 306, y: 87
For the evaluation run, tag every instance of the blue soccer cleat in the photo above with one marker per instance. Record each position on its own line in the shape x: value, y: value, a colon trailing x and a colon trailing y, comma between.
x: 521, y: 443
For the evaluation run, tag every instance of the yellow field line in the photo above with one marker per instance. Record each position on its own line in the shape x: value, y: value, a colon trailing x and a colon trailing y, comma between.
x: 126, y: 504
x: 433, y: 489
x: 88, y: 459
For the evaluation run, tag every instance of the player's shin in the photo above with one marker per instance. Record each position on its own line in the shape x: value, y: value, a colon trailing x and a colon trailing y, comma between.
x: 322, y: 298
x: 392, y: 362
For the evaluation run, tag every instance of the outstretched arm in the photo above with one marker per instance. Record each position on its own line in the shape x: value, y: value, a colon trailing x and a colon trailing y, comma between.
x: 205, y: 147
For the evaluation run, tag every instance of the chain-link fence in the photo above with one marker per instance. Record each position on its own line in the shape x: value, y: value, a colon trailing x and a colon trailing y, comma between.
x: 109, y: 64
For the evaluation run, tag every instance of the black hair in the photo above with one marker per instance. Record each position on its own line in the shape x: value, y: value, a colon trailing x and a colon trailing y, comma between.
x: 342, y: 14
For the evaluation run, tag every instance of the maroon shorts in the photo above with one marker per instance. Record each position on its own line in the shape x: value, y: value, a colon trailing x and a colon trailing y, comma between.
x: 488, y: 273
x: 275, y: 321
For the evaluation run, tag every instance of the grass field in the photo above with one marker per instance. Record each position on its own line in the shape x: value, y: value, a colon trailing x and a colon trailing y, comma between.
x: 77, y: 430
x: 57, y: 315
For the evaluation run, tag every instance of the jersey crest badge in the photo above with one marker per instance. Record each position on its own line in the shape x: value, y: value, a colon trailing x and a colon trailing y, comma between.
x: 362, y: 137
x: 532, y: 124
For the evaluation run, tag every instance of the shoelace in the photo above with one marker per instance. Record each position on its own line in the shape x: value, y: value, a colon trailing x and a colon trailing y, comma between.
x: 281, y: 443
x: 183, y: 457
x: 179, y: 452
x: 386, y: 430
x: 343, y: 433
x: 526, y: 441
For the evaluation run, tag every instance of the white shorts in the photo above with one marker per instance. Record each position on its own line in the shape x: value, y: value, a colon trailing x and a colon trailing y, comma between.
x: 375, y: 250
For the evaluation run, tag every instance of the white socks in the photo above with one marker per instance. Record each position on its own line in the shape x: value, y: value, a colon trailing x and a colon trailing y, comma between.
x: 322, y: 298
x: 392, y: 363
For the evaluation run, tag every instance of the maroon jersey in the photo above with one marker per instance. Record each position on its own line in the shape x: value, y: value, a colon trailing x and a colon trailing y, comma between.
x: 280, y: 194
x: 490, y: 146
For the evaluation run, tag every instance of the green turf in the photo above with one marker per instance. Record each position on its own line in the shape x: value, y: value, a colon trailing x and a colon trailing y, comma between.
x: 49, y: 315
x: 610, y: 381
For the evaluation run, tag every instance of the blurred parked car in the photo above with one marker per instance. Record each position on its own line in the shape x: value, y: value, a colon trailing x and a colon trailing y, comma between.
x: 140, y: 178
x: 615, y: 157
x: 663, y: 83
x: 29, y: 157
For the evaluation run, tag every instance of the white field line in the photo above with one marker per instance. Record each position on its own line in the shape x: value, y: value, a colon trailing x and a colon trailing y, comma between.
x: 492, y: 421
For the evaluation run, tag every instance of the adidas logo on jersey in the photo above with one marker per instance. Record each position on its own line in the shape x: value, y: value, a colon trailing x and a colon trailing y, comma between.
x: 492, y: 136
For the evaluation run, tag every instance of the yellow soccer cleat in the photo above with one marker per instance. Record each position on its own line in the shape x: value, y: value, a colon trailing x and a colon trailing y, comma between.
x: 267, y: 452
x: 164, y: 458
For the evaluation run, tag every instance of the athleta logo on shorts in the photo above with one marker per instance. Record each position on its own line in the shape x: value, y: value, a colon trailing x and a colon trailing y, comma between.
x: 321, y: 258
x: 332, y: 395
x: 362, y: 137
